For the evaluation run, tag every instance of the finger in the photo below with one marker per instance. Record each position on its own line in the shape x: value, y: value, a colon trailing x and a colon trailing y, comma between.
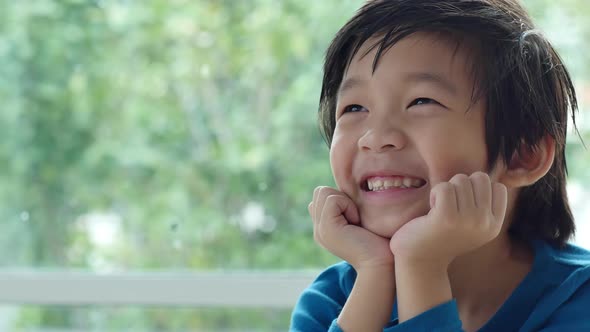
x: 317, y: 205
x: 482, y: 189
x: 330, y: 219
x: 463, y: 192
x: 315, y: 193
x: 340, y: 208
x: 499, y: 201
x: 320, y: 199
x: 322, y: 193
x: 314, y: 204
x: 351, y: 212
x: 348, y: 208
x: 443, y: 198
x: 311, y: 210
x: 314, y: 200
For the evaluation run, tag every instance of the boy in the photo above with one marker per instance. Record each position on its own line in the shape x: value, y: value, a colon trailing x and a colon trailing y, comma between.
x: 446, y: 122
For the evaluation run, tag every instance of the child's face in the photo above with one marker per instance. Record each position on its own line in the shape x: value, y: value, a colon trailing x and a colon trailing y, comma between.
x: 405, y: 124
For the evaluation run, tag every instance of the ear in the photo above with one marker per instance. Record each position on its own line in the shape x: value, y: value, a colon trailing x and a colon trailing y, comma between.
x: 528, y: 165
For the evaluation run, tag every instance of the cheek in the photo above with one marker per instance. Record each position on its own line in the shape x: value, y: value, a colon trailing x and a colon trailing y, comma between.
x: 453, y: 152
x: 453, y: 164
x: 341, y: 161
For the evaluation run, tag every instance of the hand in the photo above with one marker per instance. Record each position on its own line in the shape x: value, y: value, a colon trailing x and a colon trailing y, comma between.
x: 337, y: 227
x: 466, y: 213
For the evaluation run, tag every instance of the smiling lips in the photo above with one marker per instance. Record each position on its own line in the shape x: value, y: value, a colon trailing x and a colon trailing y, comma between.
x: 382, y: 183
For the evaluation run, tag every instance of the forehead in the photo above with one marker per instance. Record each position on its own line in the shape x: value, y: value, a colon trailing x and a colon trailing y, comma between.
x: 434, y: 54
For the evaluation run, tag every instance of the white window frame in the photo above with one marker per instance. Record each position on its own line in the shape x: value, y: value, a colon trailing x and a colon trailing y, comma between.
x: 247, y: 289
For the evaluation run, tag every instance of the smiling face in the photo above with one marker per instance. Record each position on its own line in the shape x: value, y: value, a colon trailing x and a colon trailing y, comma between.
x: 405, y: 127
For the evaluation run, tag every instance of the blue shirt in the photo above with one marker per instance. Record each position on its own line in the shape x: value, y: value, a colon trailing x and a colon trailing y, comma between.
x: 553, y: 297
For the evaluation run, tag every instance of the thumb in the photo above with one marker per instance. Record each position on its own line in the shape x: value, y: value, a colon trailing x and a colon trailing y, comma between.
x: 350, y: 212
x: 432, y: 199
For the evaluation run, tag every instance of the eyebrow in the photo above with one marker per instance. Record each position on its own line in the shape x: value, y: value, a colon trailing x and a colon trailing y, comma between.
x: 433, y: 78
x: 350, y: 83
x: 413, y: 77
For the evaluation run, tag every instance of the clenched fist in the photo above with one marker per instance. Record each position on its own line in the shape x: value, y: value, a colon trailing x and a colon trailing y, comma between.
x: 466, y: 213
x: 337, y: 227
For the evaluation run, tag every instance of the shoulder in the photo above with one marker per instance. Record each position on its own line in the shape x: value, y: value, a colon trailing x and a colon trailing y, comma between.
x: 572, y: 264
x: 567, y: 268
x: 321, y: 302
x: 570, y: 255
x: 342, y: 274
x: 558, y: 263
x: 334, y: 282
x: 567, y: 275
x: 567, y: 307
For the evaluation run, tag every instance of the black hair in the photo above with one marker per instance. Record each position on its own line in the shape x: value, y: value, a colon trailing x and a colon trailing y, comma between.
x: 527, y: 89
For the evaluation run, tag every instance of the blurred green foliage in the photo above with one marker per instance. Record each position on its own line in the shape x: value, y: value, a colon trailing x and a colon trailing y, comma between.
x: 178, y: 134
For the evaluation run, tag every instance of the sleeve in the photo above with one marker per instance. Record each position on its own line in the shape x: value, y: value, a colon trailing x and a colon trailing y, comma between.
x: 442, y: 318
x: 320, y: 304
x: 572, y: 315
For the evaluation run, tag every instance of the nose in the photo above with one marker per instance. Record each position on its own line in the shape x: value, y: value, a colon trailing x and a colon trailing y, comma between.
x: 382, y: 137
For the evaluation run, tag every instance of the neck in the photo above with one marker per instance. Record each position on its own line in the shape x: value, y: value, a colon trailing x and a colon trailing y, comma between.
x: 484, y: 279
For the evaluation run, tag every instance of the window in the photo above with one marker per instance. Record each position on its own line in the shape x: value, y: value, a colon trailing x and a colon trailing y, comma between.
x: 177, y: 141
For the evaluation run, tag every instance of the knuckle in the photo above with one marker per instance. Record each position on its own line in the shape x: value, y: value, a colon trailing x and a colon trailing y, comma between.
x: 326, y: 189
x: 481, y: 176
x: 333, y: 199
x: 459, y: 178
x: 499, y: 186
x: 447, y: 188
x: 443, y: 187
x: 318, y: 190
x: 329, y: 202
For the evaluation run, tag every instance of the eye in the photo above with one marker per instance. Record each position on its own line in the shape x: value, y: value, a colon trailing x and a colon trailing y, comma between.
x: 423, y: 101
x: 353, y: 109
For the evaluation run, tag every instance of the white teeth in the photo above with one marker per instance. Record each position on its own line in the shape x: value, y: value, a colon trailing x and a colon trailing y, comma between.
x: 396, y: 182
x: 407, y: 182
x: 388, y: 183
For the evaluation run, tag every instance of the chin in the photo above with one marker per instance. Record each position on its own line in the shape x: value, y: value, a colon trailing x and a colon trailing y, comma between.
x: 382, y: 229
x: 386, y: 226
